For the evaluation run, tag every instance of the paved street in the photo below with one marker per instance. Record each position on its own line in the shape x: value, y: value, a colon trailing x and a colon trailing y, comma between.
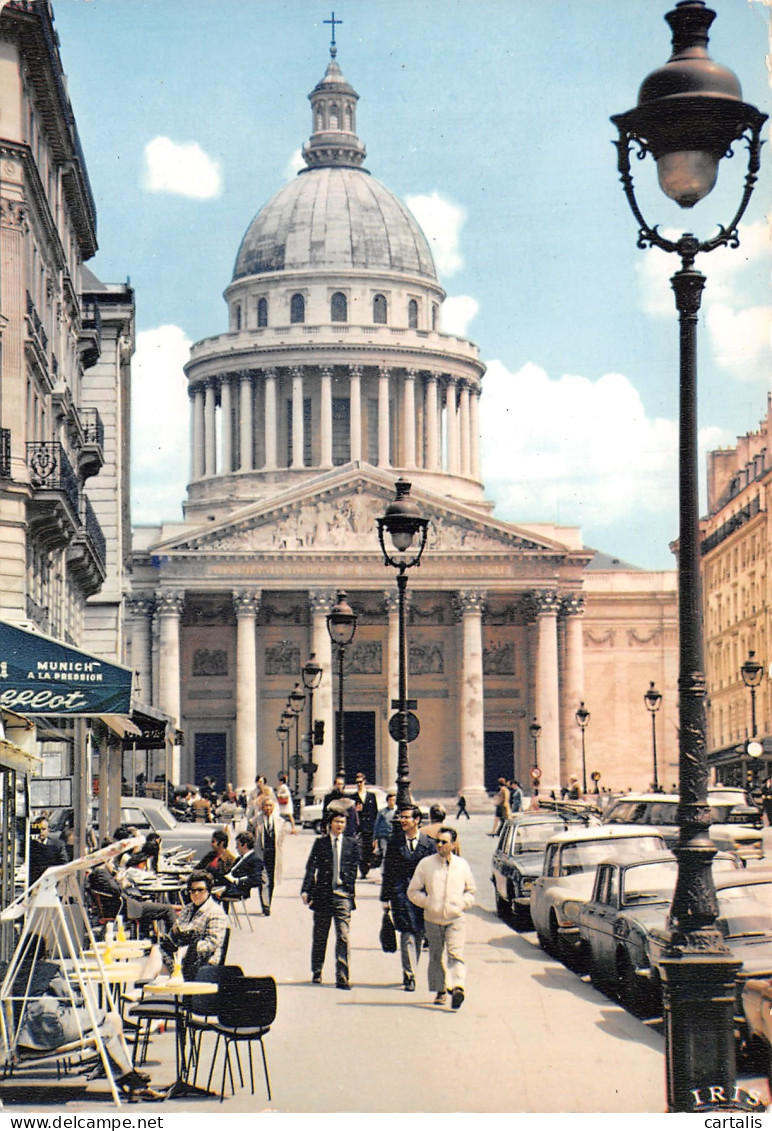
x: 531, y: 1036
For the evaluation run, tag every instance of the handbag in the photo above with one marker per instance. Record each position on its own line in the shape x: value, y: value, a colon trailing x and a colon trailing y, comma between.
x: 388, y: 934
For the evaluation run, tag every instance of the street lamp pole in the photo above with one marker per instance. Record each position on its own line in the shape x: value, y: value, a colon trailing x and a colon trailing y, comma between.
x: 535, y: 730
x: 282, y: 733
x: 689, y: 113
x: 341, y: 625
x: 312, y: 677
x: 295, y: 705
x: 653, y: 700
x: 582, y: 719
x: 752, y: 673
x: 403, y: 524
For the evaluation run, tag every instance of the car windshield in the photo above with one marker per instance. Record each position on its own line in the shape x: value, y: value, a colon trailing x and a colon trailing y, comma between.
x: 745, y: 910
x: 533, y: 838
x: 165, y: 817
x: 650, y: 883
x: 584, y: 856
x: 626, y: 813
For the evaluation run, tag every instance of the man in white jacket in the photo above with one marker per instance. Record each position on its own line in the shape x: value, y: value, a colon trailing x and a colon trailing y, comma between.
x: 444, y: 887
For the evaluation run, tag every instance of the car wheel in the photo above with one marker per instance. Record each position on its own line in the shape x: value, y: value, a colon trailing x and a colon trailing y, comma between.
x: 635, y: 996
x: 554, y: 947
x: 596, y: 974
x: 521, y: 918
x: 502, y: 908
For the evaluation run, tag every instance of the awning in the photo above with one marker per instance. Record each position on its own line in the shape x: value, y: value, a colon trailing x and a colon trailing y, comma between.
x: 120, y: 725
x: 12, y: 757
x: 41, y: 676
x: 18, y: 742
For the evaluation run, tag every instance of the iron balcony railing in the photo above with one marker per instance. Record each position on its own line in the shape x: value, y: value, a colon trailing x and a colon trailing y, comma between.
x: 51, y: 469
x: 93, y: 428
x: 5, y: 453
x: 36, y: 324
x: 749, y: 511
x: 94, y: 530
x: 37, y: 614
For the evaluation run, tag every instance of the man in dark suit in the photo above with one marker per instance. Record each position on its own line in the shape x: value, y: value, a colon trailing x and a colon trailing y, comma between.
x: 329, y: 889
x: 366, y: 809
x: 406, y: 847
x: 44, y: 851
x: 246, y: 873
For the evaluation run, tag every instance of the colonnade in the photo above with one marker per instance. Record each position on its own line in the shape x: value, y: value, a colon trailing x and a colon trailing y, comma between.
x: 423, y: 420
x: 556, y: 688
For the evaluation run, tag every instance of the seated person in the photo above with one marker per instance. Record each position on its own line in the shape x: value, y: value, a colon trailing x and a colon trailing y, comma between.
x: 116, y: 886
x: 246, y: 873
x: 44, y: 851
x: 201, y: 928
x: 219, y: 859
x: 50, y: 1020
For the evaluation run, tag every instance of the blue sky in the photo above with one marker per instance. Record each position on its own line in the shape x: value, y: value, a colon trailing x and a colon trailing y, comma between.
x: 490, y: 118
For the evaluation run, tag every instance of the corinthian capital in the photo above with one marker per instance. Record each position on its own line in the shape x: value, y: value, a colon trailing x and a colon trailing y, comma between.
x: 546, y: 603
x: 573, y: 605
x: 169, y: 604
x: 246, y: 602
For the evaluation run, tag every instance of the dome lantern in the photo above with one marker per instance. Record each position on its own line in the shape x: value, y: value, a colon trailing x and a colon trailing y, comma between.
x: 333, y: 138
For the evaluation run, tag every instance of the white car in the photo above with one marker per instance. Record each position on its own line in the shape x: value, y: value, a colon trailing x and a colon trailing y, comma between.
x: 311, y: 813
x: 568, y: 874
x: 736, y: 826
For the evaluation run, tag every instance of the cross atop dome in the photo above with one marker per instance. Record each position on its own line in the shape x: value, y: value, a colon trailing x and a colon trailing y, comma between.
x: 333, y: 21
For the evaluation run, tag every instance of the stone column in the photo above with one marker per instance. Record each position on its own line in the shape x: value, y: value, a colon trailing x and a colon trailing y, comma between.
x: 168, y: 609
x: 471, y: 605
x: 547, y: 691
x: 197, y: 407
x: 392, y: 684
x: 474, y: 433
x: 210, y: 429
x: 246, y: 422
x: 325, y: 423
x: 140, y: 610
x: 320, y: 604
x: 297, y: 416
x: 355, y: 411
x: 573, y: 688
x: 451, y: 426
x: 408, y: 419
x: 383, y: 417
x: 226, y: 422
x: 269, y: 420
x: 432, y: 424
x: 463, y: 428
x: 246, y: 604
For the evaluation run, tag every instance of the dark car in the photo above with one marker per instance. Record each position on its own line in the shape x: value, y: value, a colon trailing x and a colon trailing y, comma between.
x: 735, y: 827
x: 517, y: 861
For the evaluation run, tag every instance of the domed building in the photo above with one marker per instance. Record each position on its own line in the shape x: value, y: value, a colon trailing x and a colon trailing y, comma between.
x: 334, y: 380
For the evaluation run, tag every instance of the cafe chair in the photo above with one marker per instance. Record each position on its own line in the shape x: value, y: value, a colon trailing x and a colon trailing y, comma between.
x: 244, y: 1015
x: 231, y: 903
x: 203, y: 1008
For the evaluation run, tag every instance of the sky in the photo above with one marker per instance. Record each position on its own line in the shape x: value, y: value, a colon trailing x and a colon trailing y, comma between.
x: 490, y: 119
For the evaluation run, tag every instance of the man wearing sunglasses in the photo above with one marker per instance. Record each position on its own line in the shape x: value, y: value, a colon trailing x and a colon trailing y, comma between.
x: 443, y: 886
x: 201, y: 928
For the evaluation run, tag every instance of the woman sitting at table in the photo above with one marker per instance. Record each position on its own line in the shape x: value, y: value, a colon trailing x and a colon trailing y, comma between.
x: 219, y: 859
x: 201, y: 928
x: 122, y: 887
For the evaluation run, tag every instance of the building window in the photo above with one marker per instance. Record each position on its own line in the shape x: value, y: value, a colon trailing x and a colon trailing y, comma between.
x: 412, y: 314
x: 334, y: 116
x: 297, y: 309
x: 339, y: 307
x: 371, y: 432
x: 306, y: 432
x: 435, y: 315
x: 380, y: 309
x: 237, y: 317
x: 341, y: 430
x: 262, y: 312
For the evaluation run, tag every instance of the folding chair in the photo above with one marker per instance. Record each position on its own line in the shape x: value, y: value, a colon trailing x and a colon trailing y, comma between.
x: 231, y: 902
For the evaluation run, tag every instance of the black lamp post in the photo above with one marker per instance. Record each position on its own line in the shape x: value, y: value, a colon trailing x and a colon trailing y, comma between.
x: 535, y: 730
x: 582, y: 719
x: 312, y: 677
x: 295, y: 705
x: 753, y: 673
x: 653, y: 700
x: 407, y: 532
x: 689, y: 113
x: 341, y: 625
x: 282, y: 733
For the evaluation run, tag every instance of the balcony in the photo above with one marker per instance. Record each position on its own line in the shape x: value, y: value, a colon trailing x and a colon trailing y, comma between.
x: 53, y: 512
x: 90, y: 338
x: 87, y: 553
x: 5, y: 453
x: 37, y: 339
x: 91, y: 456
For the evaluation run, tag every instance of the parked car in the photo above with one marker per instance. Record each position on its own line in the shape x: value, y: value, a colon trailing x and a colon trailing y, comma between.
x: 568, y: 873
x: 518, y: 858
x: 147, y: 814
x: 731, y: 815
x: 311, y: 812
x: 757, y: 1009
x: 627, y: 901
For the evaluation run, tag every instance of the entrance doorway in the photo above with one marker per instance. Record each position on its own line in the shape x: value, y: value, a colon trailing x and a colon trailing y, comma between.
x: 210, y: 757
x: 358, y: 744
x: 499, y: 757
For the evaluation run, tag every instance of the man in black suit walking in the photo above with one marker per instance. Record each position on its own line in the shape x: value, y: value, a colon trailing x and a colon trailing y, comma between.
x: 366, y: 809
x: 328, y: 889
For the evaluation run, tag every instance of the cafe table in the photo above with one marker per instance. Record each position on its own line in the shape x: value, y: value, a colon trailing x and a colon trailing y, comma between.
x: 180, y: 990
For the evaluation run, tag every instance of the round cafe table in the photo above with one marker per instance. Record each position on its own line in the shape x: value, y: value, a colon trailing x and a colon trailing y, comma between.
x: 179, y: 991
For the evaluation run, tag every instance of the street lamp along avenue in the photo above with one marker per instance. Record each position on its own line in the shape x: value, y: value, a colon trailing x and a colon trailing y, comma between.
x: 312, y: 677
x: 282, y: 733
x: 653, y: 700
x: 406, y: 531
x: 535, y: 730
x: 582, y: 719
x: 295, y: 704
x: 341, y: 625
x: 753, y: 673
x: 689, y: 113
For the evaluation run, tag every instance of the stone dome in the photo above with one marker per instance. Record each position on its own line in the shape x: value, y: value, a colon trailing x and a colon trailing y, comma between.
x: 336, y: 218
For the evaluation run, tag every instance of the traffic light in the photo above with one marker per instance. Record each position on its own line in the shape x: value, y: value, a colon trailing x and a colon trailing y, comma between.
x: 318, y: 732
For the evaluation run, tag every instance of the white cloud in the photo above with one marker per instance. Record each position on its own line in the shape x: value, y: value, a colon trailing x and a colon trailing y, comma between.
x: 441, y: 221
x: 295, y: 164
x: 579, y: 452
x: 160, y: 424
x: 740, y: 339
x: 456, y: 313
x: 182, y: 169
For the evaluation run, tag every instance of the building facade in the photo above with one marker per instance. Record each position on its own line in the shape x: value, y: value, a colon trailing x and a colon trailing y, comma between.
x: 735, y: 577
x: 333, y: 380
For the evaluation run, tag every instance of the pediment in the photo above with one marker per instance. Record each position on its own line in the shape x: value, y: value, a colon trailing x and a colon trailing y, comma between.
x: 340, y: 518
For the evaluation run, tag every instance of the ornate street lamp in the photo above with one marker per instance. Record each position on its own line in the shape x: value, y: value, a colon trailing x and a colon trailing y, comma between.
x: 753, y: 673
x: 295, y: 704
x: 282, y: 733
x: 535, y: 730
x: 406, y: 530
x: 689, y: 114
x: 312, y: 677
x: 653, y: 700
x: 582, y: 719
x: 341, y: 625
